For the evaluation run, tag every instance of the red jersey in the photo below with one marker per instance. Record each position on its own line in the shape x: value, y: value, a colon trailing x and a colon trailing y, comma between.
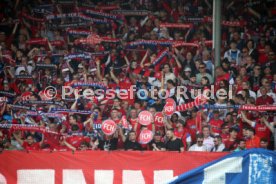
x: 126, y: 85
x: 224, y: 137
x: 264, y: 100
x: 231, y: 145
x: 31, y: 147
x: 133, y: 122
x: 76, y: 140
x: 193, y: 128
x: 183, y: 135
x: 52, y: 140
x: 215, y: 125
x: 253, y: 143
x: 262, y: 131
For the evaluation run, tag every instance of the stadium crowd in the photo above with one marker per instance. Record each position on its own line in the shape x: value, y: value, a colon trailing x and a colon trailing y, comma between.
x: 158, y: 44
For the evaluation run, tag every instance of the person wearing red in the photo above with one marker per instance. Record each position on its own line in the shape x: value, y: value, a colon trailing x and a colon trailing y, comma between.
x: 215, y: 123
x: 74, y: 142
x: 264, y: 99
x: 73, y: 120
x: 260, y: 127
x: 192, y: 125
x: 133, y: 118
x: 252, y: 141
x: 117, y: 105
x: 183, y: 134
x: 114, y: 115
x: 231, y: 144
x: 29, y: 144
x: 51, y: 140
x: 224, y: 132
x: 221, y: 75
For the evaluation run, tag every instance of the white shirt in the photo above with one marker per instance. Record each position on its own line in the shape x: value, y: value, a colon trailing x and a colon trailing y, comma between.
x: 169, y: 76
x: 209, y: 143
x: 154, y: 82
x: 195, y: 147
x: 251, y: 94
x: 220, y: 148
x: 172, y: 92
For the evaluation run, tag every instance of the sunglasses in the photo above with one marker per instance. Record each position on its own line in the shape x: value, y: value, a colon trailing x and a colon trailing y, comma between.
x: 200, y: 141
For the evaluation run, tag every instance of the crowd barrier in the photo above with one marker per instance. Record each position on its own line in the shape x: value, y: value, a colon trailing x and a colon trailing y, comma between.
x: 98, y: 167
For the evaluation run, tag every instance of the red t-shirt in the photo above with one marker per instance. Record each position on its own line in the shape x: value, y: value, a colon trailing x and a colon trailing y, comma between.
x: 133, y: 122
x: 224, y: 137
x: 52, y: 140
x: 193, y: 128
x: 182, y: 135
x: 231, y: 145
x: 264, y: 100
x: 262, y: 131
x: 76, y: 140
x: 31, y: 147
x: 253, y: 143
x: 215, y: 125
x: 263, y: 58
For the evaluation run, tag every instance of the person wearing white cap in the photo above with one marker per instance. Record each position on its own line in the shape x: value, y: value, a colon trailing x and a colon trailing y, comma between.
x: 80, y: 66
x: 66, y: 73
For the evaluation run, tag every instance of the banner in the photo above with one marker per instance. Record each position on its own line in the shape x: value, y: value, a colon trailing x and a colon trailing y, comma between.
x: 165, y: 43
x: 98, y: 166
x: 246, y: 107
x: 176, y: 25
x: 132, y: 12
x: 71, y: 111
x: 253, y: 166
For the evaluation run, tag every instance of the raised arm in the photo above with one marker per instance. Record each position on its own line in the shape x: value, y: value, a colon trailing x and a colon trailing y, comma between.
x: 244, y: 118
x: 177, y: 61
x: 98, y: 72
x: 116, y: 80
x: 42, y: 140
x: 122, y: 134
x: 3, y: 108
x: 143, y: 22
x: 19, y: 140
x: 144, y: 59
x: 74, y: 105
x: 69, y: 66
x: 89, y: 120
x: 269, y: 126
x: 127, y: 61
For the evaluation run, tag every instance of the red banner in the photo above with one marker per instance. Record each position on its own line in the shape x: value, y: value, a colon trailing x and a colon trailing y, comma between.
x: 98, y: 166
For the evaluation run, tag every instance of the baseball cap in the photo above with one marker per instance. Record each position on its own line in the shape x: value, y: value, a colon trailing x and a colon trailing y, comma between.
x: 65, y: 70
x: 80, y: 66
x: 187, y: 69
